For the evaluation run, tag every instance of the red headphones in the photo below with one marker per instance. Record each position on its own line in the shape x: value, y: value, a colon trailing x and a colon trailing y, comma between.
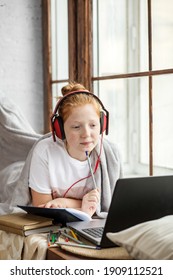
x: 57, y: 121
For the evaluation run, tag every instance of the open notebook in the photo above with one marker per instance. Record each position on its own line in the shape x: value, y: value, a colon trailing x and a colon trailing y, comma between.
x: 59, y: 215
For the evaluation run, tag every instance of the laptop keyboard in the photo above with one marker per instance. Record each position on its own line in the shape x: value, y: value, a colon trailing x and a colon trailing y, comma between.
x: 95, y: 232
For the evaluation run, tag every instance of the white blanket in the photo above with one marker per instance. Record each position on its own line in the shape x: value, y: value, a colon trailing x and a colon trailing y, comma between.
x: 16, y: 139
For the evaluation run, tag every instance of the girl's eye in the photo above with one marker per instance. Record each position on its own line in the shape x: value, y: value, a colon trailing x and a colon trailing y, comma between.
x: 93, y: 125
x: 75, y: 126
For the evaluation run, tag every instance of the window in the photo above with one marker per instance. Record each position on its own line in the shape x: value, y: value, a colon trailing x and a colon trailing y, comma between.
x: 128, y: 62
x: 133, y: 76
x: 59, y: 43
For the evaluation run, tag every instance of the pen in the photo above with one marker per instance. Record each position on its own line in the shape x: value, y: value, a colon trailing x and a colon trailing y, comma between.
x: 77, y: 245
x: 73, y: 234
x: 70, y: 237
x: 92, y: 174
x: 53, y: 237
x: 48, y: 240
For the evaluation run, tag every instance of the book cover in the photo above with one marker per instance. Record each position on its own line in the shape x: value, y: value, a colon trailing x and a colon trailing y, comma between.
x: 53, y: 228
x: 59, y: 215
x: 20, y: 222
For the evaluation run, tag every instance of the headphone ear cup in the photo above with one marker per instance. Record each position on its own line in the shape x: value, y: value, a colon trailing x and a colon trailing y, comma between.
x: 58, y: 127
x: 103, y: 122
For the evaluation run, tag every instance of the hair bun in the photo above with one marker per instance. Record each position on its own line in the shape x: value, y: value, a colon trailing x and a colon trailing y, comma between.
x: 72, y: 86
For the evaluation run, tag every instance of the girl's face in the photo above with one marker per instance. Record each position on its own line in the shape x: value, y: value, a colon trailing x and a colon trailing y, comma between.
x: 82, y: 129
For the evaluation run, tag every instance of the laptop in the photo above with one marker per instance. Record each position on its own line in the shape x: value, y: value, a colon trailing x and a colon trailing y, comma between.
x: 134, y: 201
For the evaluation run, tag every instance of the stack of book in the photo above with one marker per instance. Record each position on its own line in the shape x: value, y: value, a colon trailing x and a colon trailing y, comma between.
x: 26, y: 224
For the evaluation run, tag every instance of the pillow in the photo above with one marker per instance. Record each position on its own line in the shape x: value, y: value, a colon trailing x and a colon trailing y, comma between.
x: 151, y: 240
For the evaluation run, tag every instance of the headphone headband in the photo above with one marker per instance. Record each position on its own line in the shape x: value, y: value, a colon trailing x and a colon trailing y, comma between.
x: 54, y: 115
x: 78, y: 92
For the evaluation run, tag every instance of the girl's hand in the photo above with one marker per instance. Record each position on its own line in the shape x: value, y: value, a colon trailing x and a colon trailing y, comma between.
x: 61, y: 202
x: 90, y: 202
x: 55, y: 203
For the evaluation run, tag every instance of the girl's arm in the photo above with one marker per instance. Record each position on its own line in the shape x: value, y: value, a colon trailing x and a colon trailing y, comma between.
x: 88, y: 204
x: 46, y: 200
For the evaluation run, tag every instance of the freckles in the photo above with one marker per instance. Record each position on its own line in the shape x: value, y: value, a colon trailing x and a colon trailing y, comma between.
x: 72, y: 138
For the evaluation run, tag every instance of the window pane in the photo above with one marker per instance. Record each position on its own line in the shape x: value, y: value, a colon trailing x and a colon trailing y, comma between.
x: 119, y: 35
x: 143, y: 36
x: 127, y: 102
x: 162, y: 11
x: 56, y: 92
x: 110, y: 25
x: 143, y: 123
x: 59, y: 37
x: 113, y: 96
x: 163, y: 121
x: 138, y: 126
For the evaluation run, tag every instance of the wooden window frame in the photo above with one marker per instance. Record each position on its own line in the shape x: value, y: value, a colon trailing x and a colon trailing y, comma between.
x: 80, y: 49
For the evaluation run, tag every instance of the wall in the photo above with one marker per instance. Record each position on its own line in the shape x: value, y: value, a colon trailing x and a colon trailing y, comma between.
x: 21, y: 74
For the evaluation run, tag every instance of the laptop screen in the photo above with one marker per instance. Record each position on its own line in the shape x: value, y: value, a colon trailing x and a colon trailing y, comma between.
x: 137, y: 200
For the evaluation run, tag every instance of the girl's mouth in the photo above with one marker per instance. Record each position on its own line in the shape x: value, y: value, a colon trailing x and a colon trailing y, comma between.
x: 86, y: 143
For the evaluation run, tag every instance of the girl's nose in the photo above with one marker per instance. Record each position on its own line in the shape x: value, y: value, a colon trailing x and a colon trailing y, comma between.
x: 85, y: 131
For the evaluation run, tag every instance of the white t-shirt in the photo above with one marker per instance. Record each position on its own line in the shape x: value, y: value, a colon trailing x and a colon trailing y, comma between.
x: 53, y: 170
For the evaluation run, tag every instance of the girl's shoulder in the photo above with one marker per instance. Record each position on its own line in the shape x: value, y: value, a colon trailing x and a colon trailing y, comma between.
x: 46, y: 142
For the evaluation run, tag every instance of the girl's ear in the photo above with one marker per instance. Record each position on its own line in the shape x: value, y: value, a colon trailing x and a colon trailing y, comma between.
x: 58, y: 127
